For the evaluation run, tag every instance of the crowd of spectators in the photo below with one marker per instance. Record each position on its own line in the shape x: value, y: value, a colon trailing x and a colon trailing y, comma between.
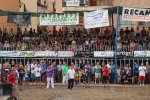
x: 77, y: 40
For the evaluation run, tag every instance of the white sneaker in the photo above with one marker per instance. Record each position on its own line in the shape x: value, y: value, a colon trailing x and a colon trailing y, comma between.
x: 46, y: 88
x: 68, y: 89
x: 95, y: 82
x: 140, y: 84
x: 143, y: 84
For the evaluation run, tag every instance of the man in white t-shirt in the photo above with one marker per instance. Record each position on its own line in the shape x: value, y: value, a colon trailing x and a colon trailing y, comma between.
x: 71, y: 73
x: 142, y: 70
x: 128, y: 69
x: 37, y: 74
x: 33, y: 66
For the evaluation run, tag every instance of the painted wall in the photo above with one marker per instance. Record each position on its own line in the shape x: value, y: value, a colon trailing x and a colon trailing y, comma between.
x: 31, y: 7
x: 10, y: 5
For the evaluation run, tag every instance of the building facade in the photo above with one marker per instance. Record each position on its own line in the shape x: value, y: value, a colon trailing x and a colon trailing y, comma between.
x: 29, y: 6
x: 12, y: 5
x: 90, y: 5
x: 45, y: 6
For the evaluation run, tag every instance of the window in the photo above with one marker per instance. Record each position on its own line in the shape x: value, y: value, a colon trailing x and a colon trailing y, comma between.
x: 144, y: 24
x: 124, y: 23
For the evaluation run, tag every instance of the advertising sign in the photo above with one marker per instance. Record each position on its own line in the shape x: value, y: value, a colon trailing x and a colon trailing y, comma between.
x: 98, y: 18
x: 72, y: 3
x: 136, y: 14
x: 59, y: 19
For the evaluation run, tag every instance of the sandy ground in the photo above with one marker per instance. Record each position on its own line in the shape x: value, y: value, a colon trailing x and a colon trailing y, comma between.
x: 130, y: 92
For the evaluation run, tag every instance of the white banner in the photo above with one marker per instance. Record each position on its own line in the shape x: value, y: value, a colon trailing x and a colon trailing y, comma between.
x: 65, y: 54
x: 45, y: 53
x: 141, y: 53
x: 98, y: 18
x: 103, y: 54
x: 135, y: 14
x: 59, y: 19
x: 72, y: 3
x: 36, y: 54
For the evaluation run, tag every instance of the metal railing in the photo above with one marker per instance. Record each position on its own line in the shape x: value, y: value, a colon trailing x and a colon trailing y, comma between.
x: 74, y: 48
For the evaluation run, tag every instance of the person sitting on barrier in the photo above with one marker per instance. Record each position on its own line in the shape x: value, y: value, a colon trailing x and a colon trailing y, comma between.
x: 123, y: 77
x: 130, y: 79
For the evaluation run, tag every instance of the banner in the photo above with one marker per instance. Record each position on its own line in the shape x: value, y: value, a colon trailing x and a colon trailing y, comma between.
x: 103, y: 54
x: 141, y: 53
x: 22, y: 53
x: 125, y: 54
x: 65, y: 54
x: 84, y: 54
x: 135, y: 14
x: 59, y: 19
x: 19, y: 19
x: 36, y: 54
x: 72, y: 3
x: 45, y: 53
x: 98, y: 18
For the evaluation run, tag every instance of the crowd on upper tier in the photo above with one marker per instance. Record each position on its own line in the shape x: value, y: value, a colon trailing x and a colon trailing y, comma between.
x: 94, y: 39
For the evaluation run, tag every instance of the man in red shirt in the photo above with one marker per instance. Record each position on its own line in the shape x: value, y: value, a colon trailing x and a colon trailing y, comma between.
x: 105, y: 74
x: 143, y: 32
x: 106, y: 31
x: 11, y: 78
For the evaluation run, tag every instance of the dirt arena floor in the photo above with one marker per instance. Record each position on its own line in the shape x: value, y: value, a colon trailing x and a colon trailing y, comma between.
x: 130, y: 92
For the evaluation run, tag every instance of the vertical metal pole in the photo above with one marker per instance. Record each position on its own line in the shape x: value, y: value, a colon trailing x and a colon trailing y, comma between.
x: 116, y: 43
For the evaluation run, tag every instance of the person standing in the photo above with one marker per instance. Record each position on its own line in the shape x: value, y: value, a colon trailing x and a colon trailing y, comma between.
x: 6, y: 71
x: 29, y: 69
x: 118, y: 74
x: 112, y: 72
x: 33, y: 66
x: 142, y: 70
x: 59, y: 67
x: 80, y: 70
x: 147, y: 73
x: 43, y: 67
x: 37, y: 74
x: 50, y: 73
x: 26, y: 78
x: 71, y: 74
x: 65, y: 73
x: 136, y: 72
x: 54, y: 66
x: 87, y: 76
x: 97, y: 73
x: 105, y: 71
x: 16, y: 73
x: 21, y: 72
x: 77, y: 72
x: 11, y: 79
x: 92, y: 73
x: 108, y: 66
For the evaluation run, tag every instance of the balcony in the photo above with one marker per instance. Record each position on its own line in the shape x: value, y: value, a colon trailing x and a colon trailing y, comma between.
x: 41, y: 5
x: 84, y: 8
x: 88, y: 5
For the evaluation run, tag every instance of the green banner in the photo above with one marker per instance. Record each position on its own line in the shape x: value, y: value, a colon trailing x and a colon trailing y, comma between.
x: 59, y: 19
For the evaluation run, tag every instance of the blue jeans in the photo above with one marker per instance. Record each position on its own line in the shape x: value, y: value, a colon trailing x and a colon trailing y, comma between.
x: 112, y: 78
x: 86, y: 79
